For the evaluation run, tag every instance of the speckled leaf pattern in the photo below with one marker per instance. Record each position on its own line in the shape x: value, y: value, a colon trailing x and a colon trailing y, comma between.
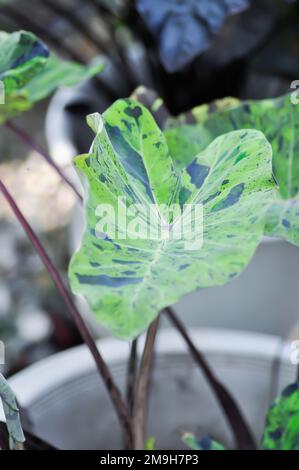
x: 282, y: 421
x: 30, y: 73
x: 190, y: 133
x: 11, y: 412
x: 278, y: 119
x: 21, y: 57
x: 202, y: 444
x: 128, y: 281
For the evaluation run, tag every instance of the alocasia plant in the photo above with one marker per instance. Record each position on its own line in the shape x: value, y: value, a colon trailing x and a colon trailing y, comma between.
x: 11, y: 413
x: 127, y: 280
x: 29, y: 72
x: 278, y: 119
x: 281, y: 430
x: 185, y: 29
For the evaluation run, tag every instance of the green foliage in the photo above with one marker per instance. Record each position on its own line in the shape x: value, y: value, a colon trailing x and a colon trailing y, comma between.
x: 11, y: 413
x: 281, y: 428
x: 30, y: 73
x: 278, y: 119
x: 128, y: 281
x: 185, y: 29
x: 282, y: 421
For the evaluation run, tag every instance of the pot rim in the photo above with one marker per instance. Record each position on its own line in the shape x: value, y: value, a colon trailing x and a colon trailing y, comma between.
x: 38, y: 378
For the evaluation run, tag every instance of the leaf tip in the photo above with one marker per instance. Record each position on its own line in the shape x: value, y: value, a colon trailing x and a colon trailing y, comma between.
x: 95, y: 122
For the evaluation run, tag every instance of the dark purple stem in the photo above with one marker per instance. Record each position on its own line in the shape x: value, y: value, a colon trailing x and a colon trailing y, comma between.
x: 31, y: 144
x: 113, y: 391
x: 242, y: 433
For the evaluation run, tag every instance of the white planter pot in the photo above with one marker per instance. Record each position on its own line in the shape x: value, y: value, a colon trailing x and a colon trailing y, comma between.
x: 69, y: 406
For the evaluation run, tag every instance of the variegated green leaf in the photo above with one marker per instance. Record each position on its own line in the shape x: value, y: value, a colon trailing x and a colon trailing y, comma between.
x: 278, y: 119
x: 203, y: 444
x: 29, y: 73
x: 282, y: 421
x: 126, y: 278
x: 11, y: 413
x: 22, y: 55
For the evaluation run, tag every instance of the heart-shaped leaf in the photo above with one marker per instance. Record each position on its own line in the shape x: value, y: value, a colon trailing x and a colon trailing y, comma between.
x: 185, y: 29
x: 278, y: 119
x: 136, y: 264
x: 282, y: 421
x: 29, y: 73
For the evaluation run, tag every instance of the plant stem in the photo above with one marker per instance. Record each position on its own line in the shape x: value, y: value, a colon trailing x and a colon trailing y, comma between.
x: 113, y: 391
x: 242, y: 433
x: 142, y: 388
x: 4, y: 437
x: 31, y: 144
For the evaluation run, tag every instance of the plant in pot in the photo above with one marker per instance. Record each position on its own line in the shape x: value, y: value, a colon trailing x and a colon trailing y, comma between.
x: 132, y: 267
